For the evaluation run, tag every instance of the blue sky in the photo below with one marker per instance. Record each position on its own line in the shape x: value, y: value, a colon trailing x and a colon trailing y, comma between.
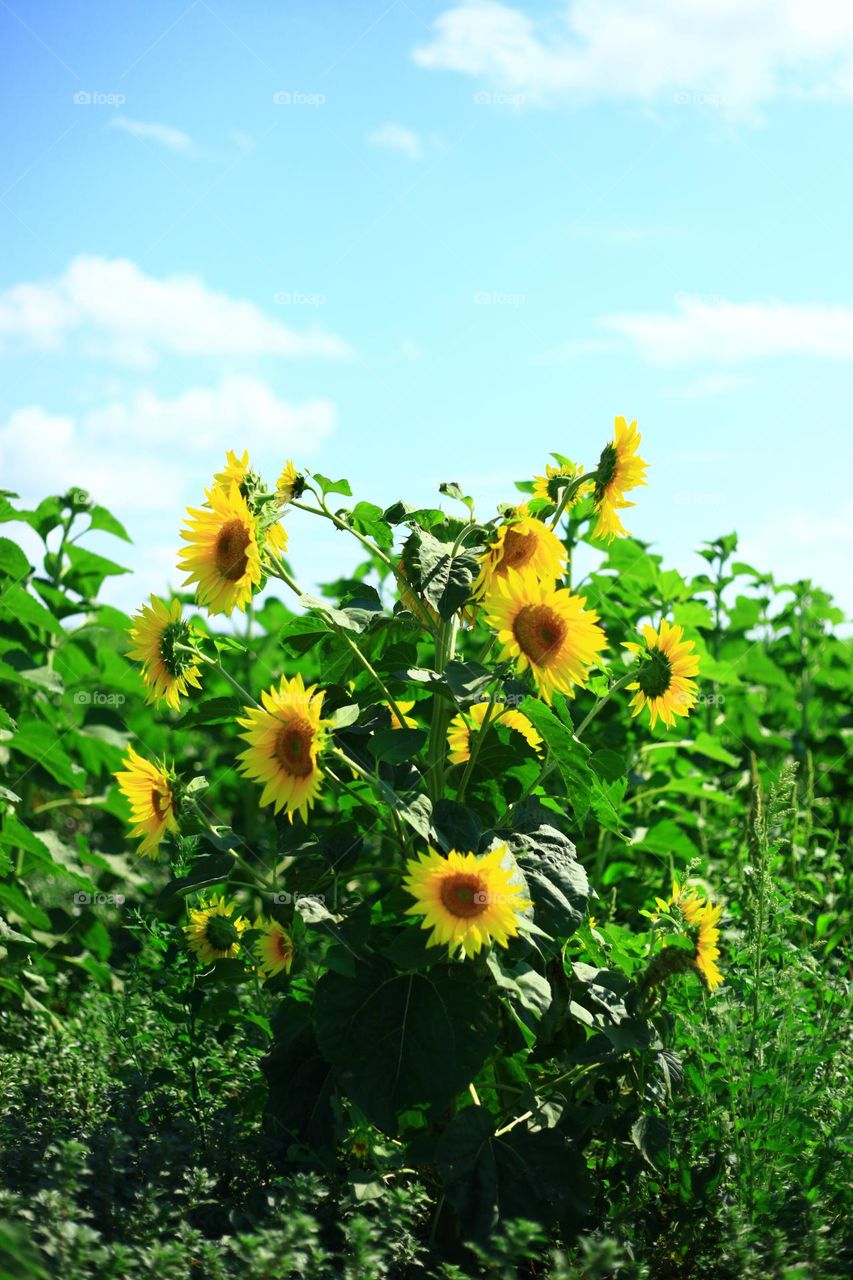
x: 410, y: 242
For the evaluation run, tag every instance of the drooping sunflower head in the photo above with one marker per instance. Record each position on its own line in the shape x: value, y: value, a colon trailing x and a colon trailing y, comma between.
x: 214, y: 929
x: 467, y: 901
x: 546, y: 630
x: 469, y: 722
x: 160, y: 636
x: 666, y: 663
x: 522, y: 545
x: 286, y: 736
x: 290, y: 484
x: 699, y: 919
x: 222, y: 558
x: 620, y: 469
x: 274, y: 949
x: 150, y: 792
x: 551, y: 486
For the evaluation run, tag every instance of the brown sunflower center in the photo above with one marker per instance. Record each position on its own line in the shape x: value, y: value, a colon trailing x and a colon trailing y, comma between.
x: 518, y: 550
x: 293, y: 747
x: 464, y: 894
x: 540, y: 632
x: 655, y: 675
x: 230, y: 551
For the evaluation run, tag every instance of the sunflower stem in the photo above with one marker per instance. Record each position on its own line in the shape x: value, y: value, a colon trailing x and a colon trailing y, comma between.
x: 279, y: 571
x: 476, y: 745
x: 445, y: 647
x: 217, y: 666
x: 593, y: 712
x: 568, y: 493
x: 385, y: 794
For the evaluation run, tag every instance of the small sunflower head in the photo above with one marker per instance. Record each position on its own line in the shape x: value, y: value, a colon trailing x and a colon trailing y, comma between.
x: 215, y: 929
x: 162, y: 642
x: 691, y: 919
x: 291, y: 483
x: 666, y: 664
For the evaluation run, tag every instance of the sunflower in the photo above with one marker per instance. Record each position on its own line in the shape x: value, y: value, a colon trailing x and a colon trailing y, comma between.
x: 158, y: 634
x: 285, y: 738
x: 461, y: 728
x: 523, y: 544
x: 223, y: 556
x: 148, y: 790
x: 290, y: 483
x: 467, y: 901
x: 274, y: 949
x: 550, y: 486
x: 408, y: 722
x: 547, y: 629
x: 213, y: 932
x: 701, y: 919
x: 235, y: 469
x: 663, y: 680
x: 620, y: 468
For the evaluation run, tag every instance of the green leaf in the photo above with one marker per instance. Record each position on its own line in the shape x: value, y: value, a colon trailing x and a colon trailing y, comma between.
x: 13, y: 562
x: 19, y: 606
x: 396, y: 745
x: 557, y: 882
x: 399, y: 1041
x: 521, y: 1174
x: 333, y: 486
x: 106, y: 521
x: 441, y: 576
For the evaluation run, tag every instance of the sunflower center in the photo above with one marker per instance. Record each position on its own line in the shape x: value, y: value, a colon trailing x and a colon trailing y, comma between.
x: 174, y: 659
x: 464, y: 895
x: 293, y: 747
x: 221, y: 933
x: 655, y: 675
x: 606, y: 469
x: 518, y: 550
x: 540, y: 632
x: 230, y: 550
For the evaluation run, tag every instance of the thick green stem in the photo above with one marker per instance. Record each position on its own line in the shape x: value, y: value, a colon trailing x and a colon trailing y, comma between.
x: 620, y: 684
x: 445, y: 646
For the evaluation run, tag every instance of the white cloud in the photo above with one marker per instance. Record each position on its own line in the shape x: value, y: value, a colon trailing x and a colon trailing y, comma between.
x: 396, y: 137
x: 722, y: 332
x: 144, y: 454
x: 148, y: 131
x: 122, y: 313
x: 734, y: 54
x: 710, y: 384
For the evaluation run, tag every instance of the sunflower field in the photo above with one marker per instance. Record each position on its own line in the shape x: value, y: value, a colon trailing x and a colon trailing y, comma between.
x: 472, y: 918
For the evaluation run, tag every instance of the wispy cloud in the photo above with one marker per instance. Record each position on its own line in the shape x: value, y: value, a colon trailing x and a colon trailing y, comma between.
x: 735, y: 56
x: 734, y: 333
x: 396, y: 137
x: 117, y: 311
x: 709, y: 385
x: 161, y: 134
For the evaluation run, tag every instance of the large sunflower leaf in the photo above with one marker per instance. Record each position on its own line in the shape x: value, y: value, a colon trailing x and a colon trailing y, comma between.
x: 403, y: 1040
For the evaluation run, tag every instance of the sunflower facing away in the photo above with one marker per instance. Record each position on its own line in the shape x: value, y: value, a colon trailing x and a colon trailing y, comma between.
x: 273, y: 949
x: 467, y: 901
x: 663, y: 684
x: 404, y: 707
x: 550, y: 486
x: 157, y: 634
x: 546, y: 629
x: 524, y: 543
x: 701, y: 920
x: 620, y: 468
x: 214, y: 930
x: 148, y: 790
x: 290, y: 483
x: 462, y: 726
x: 285, y: 737
x: 222, y: 558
